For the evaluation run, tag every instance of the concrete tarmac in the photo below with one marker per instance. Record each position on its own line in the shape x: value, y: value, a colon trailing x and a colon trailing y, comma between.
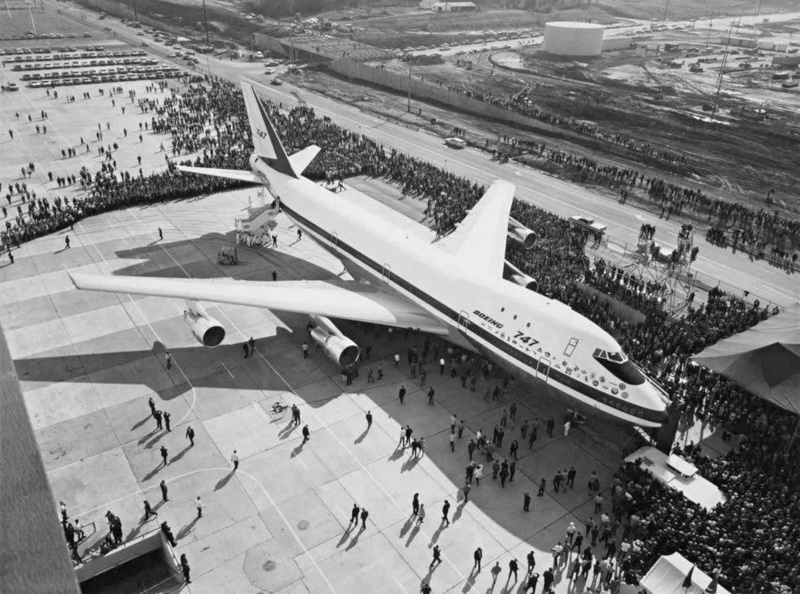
x: 88, y: 362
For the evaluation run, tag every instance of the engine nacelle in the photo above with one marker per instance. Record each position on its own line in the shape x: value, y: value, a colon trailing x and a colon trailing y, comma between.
x: 338, y: 348
x: 515, y: 275
x: 208, y: 331
x: 521, y: 234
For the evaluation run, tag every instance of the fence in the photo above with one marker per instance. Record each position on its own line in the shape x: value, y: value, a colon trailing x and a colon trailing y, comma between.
x: 416, y: 87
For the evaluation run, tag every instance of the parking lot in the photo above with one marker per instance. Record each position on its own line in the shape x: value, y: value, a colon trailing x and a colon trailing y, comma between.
x: 64, y: 66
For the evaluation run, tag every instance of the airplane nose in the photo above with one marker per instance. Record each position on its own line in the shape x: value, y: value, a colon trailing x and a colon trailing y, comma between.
x: 659, y: 402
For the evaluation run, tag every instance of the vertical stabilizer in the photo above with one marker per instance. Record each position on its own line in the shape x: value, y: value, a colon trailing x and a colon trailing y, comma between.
x: 266, y: 143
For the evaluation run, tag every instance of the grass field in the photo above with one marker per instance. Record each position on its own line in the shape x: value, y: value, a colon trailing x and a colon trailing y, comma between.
x: 18, y: 22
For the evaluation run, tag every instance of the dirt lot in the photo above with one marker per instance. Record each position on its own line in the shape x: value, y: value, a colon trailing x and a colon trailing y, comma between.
x: 636, y: 93
x: 18, y: 22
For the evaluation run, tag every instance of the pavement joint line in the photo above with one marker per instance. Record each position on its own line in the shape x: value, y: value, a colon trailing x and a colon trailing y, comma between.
x: 396, y: 581
x: 272, y: 501
x: 228, y: 370
x: 217, y: 266
x: 344, y: 447
x: 239, y: 472
x: 325, y: 426
x: 266, y: 416
x: 59, y: 134
x: 319, y: 419
x: 149, y: 325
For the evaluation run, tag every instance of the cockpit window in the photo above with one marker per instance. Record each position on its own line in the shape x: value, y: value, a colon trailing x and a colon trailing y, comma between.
x: 620, y: 366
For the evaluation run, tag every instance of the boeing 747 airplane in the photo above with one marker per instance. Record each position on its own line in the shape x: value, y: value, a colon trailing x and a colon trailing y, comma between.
x: 453, y: 288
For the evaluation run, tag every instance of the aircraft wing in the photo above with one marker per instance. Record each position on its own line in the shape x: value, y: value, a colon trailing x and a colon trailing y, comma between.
x: 479, y: 241
x: 246, y: 176
x: 347, y: 300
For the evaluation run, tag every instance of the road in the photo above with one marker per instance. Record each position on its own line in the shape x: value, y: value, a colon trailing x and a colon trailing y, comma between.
x: 735, y: 271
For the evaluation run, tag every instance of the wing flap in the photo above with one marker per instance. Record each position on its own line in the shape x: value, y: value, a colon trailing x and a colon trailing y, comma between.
x: 246, y: 176
x: 479, y: 242
x: 343, y: 299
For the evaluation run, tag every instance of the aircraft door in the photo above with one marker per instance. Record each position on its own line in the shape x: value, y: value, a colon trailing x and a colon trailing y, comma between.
x: 463, y: 321
x: 543, y: 369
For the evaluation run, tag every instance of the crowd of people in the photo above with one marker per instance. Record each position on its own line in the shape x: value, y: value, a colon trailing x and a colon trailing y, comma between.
x: 750, y: 537
x: 521, y: 103
x: 765, y: 234
x: 750, y: 542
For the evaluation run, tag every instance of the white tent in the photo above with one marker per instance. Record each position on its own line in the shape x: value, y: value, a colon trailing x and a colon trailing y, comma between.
x: 677, y: 473
x: 668, y: 574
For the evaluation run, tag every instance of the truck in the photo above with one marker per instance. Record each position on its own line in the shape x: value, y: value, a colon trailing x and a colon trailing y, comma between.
x: 587, y: 224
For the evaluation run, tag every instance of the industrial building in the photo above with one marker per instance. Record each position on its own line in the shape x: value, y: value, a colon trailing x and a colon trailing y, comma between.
x: 448, y: 6
x: 792, y: 60
x: 617, y: 43
x: 573, y: 38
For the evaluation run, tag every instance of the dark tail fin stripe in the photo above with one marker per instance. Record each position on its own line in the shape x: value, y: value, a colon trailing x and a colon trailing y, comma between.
x: 281, y: 161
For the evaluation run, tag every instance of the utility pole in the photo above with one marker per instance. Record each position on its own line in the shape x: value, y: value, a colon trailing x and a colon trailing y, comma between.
x: 135, y: 12
x: 719, y: 81
x: 205, y: 24
x: 33, y: 25
x: 409, y: 86
x: 666, y: 7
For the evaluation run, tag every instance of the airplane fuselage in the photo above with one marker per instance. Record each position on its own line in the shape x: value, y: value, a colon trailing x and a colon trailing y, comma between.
x: 533, y: 337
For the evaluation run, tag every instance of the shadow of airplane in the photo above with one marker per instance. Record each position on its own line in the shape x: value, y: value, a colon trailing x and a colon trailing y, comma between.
x: 255, y: 263
x: 95, y: 362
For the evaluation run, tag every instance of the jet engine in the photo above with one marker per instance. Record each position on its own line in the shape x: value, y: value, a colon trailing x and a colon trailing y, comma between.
x: 208, y: 331
x: 338, y: 348
x: 515, y: 275
x: 521, y: 234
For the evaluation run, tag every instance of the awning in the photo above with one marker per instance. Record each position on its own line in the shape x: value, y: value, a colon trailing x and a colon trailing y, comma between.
x: 764, y: 360
x: 668, y: 574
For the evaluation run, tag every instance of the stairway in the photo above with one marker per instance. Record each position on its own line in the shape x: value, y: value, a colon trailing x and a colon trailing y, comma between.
x: 257, y: 218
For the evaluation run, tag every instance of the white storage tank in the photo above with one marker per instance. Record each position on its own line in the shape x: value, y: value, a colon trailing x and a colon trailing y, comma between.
x: 573, y: 39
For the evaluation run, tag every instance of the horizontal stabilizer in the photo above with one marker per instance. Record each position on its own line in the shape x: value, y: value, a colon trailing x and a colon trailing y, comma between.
x: 302, y: 159
x: 245, y: 176
x: 479, y: 242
